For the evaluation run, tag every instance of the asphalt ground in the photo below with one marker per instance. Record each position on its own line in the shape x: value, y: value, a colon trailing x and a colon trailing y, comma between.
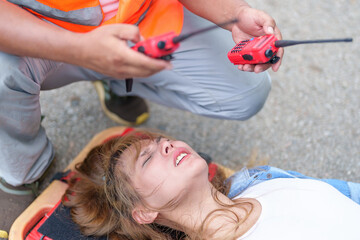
x: 310, y: 122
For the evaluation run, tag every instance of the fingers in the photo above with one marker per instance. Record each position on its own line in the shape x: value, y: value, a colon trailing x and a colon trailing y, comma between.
x: 276, y: 66
x: 139, y: 65
x: 269, y: 27
x: 256, y: 23
x: 126, y: 32
x: 247, y: 67
x: 265, y: 21
x: 277, y: 33
x: 254, y: 68
x: 117, y: 59
x: 280, y: 52
x: 257, y: 68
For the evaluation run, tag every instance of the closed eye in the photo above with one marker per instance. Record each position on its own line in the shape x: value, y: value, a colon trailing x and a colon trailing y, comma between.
x: 157, y: 140
x: 147, y: 159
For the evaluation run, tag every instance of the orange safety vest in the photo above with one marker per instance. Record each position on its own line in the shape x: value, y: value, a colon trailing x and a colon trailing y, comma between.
x: 154, y: 17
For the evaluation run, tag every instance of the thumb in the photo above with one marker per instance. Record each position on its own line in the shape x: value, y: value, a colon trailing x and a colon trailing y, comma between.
x: 268, y: 29
x: 128, y: 32
x: 267, y: 22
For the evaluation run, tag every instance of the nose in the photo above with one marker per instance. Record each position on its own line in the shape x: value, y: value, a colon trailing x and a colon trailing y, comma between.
x: 166, y: 148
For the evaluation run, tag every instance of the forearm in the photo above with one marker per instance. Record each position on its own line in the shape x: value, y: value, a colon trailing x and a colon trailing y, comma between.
x: 216, y: 11
x: 25, y: 35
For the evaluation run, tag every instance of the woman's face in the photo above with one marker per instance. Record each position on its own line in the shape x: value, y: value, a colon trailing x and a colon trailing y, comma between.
x: 165, y: 170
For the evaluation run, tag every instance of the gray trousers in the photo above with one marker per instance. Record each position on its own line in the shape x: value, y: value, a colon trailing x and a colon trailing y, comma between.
x: 202, y: 81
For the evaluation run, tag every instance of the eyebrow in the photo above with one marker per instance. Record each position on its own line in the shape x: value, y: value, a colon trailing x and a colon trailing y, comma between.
x: 158, y: 139
x: 146, y: 151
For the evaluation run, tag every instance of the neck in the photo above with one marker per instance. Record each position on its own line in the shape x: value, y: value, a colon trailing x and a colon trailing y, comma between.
x: 195, y: 209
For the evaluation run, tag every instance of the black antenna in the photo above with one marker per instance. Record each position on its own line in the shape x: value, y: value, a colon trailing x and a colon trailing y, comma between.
x: 285, y: 43
x: 185, y: 36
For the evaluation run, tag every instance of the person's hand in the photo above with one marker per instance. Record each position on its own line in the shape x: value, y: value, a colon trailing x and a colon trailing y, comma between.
x: 105, y: 50
x: 254, y: 23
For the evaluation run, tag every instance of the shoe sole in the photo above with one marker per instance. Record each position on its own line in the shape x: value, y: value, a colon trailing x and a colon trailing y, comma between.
x: 5, y: 188
x: 101, y: 93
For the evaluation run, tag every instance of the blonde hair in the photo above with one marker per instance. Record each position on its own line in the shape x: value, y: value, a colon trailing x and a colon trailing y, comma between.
x: 102, y: 198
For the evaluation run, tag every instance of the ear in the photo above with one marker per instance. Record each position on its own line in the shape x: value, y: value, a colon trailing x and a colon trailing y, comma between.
x: 144, y: 216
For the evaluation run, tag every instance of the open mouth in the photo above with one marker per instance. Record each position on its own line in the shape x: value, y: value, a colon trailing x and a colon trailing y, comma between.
x: 180, y: 158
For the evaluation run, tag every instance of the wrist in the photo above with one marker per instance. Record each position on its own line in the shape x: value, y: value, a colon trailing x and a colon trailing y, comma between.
x: 237, y: 14
x: 239, y: 11
x: 69, y: 48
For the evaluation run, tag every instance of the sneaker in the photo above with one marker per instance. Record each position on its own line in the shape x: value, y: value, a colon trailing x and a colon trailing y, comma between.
x: 126, y: 110
x: 14, y: 200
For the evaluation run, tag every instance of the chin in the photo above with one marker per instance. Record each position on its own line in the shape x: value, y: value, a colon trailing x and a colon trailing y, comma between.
x: 198, y: 168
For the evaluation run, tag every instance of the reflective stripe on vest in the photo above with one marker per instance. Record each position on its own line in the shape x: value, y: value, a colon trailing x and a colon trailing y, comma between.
x: 154, y: 17
x: 88, y: 16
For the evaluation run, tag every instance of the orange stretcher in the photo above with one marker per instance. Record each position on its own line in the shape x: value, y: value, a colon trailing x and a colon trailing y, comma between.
x: 47, y: 201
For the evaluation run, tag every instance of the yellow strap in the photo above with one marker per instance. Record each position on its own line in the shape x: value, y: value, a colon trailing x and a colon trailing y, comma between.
x: 128, y: 8
x: 3, y: 234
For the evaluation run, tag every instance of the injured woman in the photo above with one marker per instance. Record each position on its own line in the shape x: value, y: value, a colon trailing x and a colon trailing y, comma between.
x: 145, y: 185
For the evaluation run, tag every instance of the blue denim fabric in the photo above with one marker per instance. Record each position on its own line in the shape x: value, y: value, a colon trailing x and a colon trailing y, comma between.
x: 245, y: 178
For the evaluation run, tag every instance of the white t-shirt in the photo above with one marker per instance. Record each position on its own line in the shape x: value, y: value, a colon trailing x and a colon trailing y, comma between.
x: 109, y: 7
x: 302, y: 209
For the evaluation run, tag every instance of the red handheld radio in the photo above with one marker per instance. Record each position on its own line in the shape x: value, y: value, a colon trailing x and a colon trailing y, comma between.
x: 164, y: 45
x: 263, y: 49
x: 161, y: 46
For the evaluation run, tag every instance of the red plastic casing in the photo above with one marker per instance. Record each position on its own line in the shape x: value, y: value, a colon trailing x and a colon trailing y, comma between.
x: 253, y: 51
x: 150, y: 46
